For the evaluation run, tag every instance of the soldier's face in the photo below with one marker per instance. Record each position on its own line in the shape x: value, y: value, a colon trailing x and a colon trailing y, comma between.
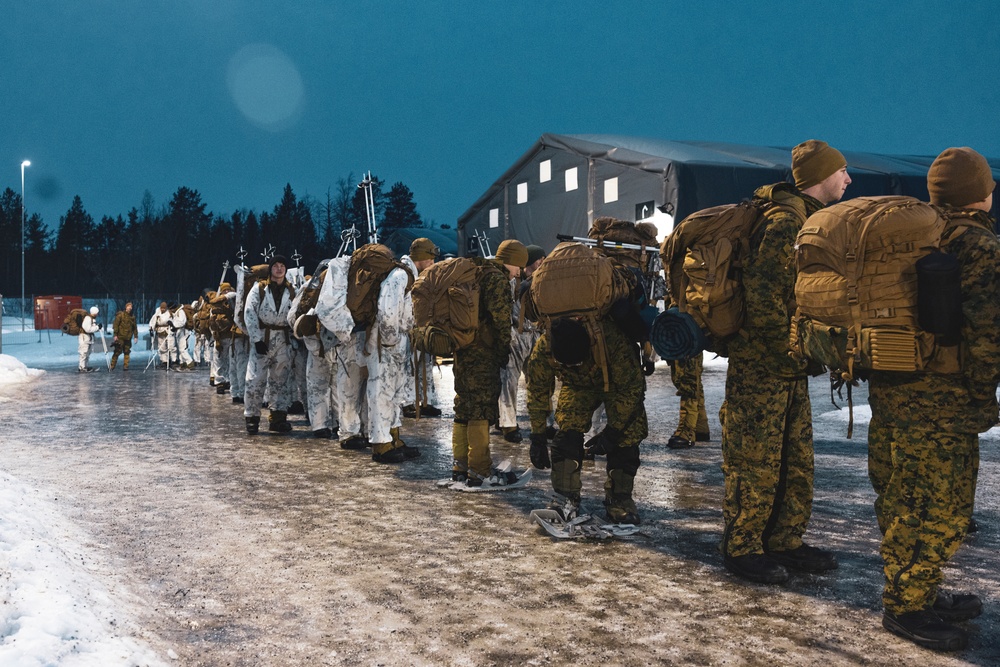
x: 832, y: 188
x: 128, y: 307
x: 278, y: 271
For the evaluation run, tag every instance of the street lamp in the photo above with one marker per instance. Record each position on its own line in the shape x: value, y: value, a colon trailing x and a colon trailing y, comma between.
x: 25, y: 163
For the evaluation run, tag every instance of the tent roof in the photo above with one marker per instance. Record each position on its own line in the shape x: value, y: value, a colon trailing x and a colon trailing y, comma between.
x: 657, y: 156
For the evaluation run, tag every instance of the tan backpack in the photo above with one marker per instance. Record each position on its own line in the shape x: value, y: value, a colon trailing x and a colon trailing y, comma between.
x: 856, y: 288
x: 704, y: 256
x: 446, y: 306
x: 576, y: 281
x: 370, y: 264
x: 73, y: 322
x: 612, y: 230
x: 306, y: 324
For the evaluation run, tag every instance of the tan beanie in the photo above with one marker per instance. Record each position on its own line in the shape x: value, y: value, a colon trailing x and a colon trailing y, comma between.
x: 423, y: 248
x: 959, y: 177
x: 513, y: 252
x: 814, y: 161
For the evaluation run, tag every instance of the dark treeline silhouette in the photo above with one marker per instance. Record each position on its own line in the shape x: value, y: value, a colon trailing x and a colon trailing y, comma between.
x: 180, y: 247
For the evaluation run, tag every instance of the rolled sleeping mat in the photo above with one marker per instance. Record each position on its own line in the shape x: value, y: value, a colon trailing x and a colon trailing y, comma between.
x: 676, y: 336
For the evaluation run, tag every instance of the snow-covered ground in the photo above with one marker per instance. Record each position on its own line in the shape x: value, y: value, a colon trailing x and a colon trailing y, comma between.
x: 54, y: 609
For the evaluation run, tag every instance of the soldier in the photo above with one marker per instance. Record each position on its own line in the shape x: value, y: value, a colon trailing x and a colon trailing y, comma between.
x: 523, y: 335
x: 321, y: 357
x: 266, y: 317
x: 923, y: 438
x: 419, y: 377
x: 767, y: 447
x: 565, y: 350
x: 160, y: 326
x: 85, y: 340
x: 692, y: 423
x: 201, y: 354
x: 182, y: 330
x: 125, y: 331
x: 477, y: 369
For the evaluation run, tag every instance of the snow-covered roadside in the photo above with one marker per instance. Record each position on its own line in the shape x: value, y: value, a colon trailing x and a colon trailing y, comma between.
x: 53, y: 608
x: 54, y: 611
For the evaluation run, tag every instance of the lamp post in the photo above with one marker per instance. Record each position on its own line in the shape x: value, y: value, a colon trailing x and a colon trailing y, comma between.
x: 25, y: 163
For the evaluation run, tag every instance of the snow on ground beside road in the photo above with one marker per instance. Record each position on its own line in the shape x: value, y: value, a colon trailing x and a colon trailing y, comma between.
x: 13, y: 371
x: 54, y: 611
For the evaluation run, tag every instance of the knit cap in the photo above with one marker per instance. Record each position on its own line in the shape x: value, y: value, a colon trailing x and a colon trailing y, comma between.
x: 814, y: 161
x: 513, y: 252
x: 423, y: 248
x: 959, y: 177
x: 535, y: 253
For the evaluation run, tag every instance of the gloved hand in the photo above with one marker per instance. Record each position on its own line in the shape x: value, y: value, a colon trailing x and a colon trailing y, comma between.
x: 539, y: 451
x: 261, y: 347
x: 648, y: 367
x: 173, y: 327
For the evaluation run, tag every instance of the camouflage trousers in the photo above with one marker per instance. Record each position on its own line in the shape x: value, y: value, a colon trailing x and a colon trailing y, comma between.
x: 423, y: 368
x: 201, y: 349
x: 767, y: 461
x: 166, y: 346
x: 297, y: 390
x: 183, y: 339
x: 693, y: 419
x: 268, y: 372
x: 521, y: 345
x: 84, y: 342
x: 368, y: 386
x: 321, y: 384
x: 238, y: 364
x: 221, y: 358
x: 925, y: 482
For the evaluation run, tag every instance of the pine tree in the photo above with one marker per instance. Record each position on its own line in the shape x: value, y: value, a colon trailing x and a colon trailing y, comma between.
x: 400, y: 210
x: 73, y: 242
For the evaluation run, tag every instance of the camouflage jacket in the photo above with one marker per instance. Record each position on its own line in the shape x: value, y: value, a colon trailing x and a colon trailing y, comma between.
x: 495, y: 305
x: 124, y: 327
x: 769, y: 282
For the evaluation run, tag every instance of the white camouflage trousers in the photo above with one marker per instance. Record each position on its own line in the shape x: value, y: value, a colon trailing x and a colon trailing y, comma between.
x: 202, y: 348
x: 220, y: 361
x: 379, y: 394
x: 238, y: 363
x: 84, y: 343
x: 166, y: 345
x: 521, y: 345
x: 183, y: 337
x: 321, y: 385
x: 268, y: 372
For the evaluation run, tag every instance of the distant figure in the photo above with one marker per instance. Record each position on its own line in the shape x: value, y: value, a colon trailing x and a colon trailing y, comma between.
x: 86, y: 340
x: 125, y: 331
x: 692, y: 423
x: 161, y: 327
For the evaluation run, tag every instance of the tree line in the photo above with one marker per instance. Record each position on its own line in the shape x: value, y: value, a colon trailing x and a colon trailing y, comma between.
x: 180, y: 247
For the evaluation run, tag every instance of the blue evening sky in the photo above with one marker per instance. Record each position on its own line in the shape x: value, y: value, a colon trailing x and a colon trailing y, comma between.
x: 235, y: 99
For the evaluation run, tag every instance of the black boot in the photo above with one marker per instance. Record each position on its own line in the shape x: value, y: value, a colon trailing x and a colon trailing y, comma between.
x: 756, y: 567
x: 277, y: 422
x: 253, y: 425
x: 805, y: 559
x: 925, y: 628
x: 957, y: 607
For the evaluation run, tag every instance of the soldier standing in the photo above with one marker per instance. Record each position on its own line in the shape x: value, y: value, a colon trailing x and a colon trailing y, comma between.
x: 85, y: 340
x: 125, y: 331
x: 923, y: 438
x: 477, y: 367
x: 266, y: 317
x: 767, y: 445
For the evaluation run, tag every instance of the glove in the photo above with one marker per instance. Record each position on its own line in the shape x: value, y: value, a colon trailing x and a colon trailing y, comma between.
x: 173, y: 327
x: 261, y: 347
x: 648, y: 367
x: 539, y: 451
x: 608, y: 438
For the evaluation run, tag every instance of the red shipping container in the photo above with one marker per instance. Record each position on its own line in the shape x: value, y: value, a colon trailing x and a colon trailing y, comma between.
x: 50, y: 311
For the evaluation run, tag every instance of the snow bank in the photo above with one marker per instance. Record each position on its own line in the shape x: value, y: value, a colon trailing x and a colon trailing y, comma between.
x: 54, y: 611
x: 13, y: 371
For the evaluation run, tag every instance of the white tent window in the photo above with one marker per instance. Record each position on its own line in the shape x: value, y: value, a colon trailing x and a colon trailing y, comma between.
x: 572, y: 179
x: 494, y: 218
x: 522, y: 192
x: 545, y: 171
x: 611, y: 190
